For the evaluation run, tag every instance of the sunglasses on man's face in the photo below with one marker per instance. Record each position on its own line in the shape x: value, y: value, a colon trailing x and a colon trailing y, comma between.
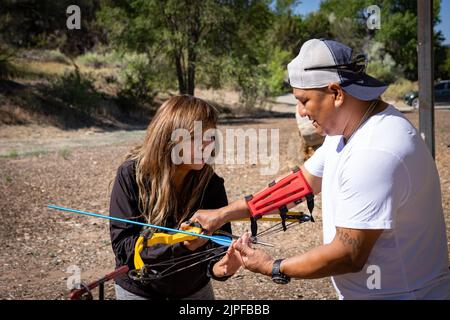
x: 358, y: 65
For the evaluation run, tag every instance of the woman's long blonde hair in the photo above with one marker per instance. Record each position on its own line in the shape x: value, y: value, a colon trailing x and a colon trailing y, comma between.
x: 158, y: 200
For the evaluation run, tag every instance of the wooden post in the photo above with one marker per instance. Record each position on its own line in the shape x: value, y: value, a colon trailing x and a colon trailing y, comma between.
x: 426, y: 72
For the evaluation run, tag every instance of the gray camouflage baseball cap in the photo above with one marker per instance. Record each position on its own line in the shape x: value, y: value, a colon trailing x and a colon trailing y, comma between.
x: 321, y: 62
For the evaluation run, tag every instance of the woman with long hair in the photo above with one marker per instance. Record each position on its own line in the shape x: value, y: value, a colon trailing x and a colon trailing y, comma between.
x: 151, y: 187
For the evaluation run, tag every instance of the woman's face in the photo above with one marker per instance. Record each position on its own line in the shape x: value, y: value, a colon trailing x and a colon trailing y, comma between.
x: 200, y: 152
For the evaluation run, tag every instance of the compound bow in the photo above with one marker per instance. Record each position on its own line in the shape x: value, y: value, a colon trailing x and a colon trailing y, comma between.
x: 292, y: 189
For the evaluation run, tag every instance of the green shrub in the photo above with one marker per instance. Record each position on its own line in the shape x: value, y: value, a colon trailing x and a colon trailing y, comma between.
x: 76, y: 89
x: 252, y: 87
x: 256, y: 77
x: 399, y: 88
x: 276, y: 71
x: 381, y: 64
x: 65, y: 153
x: 6, y: 68
x: 54, y: 55
x: 139, y: 82
x: 100, y: 60
x: 12, y: 154
x: 382, y: 71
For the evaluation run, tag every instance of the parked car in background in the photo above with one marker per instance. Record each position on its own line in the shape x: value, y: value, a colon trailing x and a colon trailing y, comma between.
x: 441, y: 94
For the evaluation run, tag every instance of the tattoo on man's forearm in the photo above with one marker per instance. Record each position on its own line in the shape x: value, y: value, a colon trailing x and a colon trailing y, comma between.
x: 346, y: 239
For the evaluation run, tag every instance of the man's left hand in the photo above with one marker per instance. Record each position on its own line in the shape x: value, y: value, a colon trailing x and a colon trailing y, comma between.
x: 252, y: 259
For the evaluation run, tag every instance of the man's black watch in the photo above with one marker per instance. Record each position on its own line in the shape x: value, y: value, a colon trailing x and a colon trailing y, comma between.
x: 277, y: 276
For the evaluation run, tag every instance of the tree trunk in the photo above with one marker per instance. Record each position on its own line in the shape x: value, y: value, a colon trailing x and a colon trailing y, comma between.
x: 193, y: 40
x: 180, y: 74
x: 191, y: 71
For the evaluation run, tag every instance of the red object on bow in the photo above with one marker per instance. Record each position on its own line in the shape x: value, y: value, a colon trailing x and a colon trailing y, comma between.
x: 291, y: 189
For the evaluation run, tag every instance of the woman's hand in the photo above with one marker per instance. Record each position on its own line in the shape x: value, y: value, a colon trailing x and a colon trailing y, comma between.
x: 193, y: 244
x: 252, y: 259
x: 229, y: 264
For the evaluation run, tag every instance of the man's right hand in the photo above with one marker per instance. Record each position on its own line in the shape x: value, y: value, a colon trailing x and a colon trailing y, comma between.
x: 210, y: 220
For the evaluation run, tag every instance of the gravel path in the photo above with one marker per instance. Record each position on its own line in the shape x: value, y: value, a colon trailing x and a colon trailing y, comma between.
x: 75, y: 168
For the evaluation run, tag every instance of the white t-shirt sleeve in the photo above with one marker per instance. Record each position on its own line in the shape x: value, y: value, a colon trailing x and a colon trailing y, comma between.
x: 315, y: 164
x: 373, y: 184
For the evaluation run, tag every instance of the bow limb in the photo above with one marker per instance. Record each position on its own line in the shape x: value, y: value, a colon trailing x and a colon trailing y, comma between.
x: 291, y: 216
x: 160, y: 238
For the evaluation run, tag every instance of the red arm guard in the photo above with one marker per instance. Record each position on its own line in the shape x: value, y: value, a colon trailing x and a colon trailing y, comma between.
x: 291, y: 189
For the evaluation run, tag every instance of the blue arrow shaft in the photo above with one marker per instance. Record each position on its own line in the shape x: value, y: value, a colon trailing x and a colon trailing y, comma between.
x: 219, y: 240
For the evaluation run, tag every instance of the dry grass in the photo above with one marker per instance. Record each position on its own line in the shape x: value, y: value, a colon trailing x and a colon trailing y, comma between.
x: 40, y: 69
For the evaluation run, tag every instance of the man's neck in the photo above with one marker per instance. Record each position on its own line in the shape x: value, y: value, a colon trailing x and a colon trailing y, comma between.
x: 361, y: 113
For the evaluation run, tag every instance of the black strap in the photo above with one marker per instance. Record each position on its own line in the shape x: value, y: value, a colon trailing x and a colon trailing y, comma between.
x: 253, y: 226
x: 310, y: 204
x: 283, y: 211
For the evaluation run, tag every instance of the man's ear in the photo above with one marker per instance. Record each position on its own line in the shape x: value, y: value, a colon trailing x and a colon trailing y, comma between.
x: 338, y: 94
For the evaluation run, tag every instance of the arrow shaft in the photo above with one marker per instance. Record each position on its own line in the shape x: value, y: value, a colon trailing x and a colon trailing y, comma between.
x: 96, y: 215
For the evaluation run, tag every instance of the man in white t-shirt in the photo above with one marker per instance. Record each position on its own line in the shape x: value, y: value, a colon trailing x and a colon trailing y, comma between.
x: 383, y: 224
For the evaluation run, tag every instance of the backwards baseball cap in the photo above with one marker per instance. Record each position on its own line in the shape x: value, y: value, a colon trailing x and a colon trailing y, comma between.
x: 321, y: 62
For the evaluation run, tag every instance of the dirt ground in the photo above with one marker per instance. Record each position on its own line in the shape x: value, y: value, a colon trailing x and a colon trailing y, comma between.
x: 44, y: 165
